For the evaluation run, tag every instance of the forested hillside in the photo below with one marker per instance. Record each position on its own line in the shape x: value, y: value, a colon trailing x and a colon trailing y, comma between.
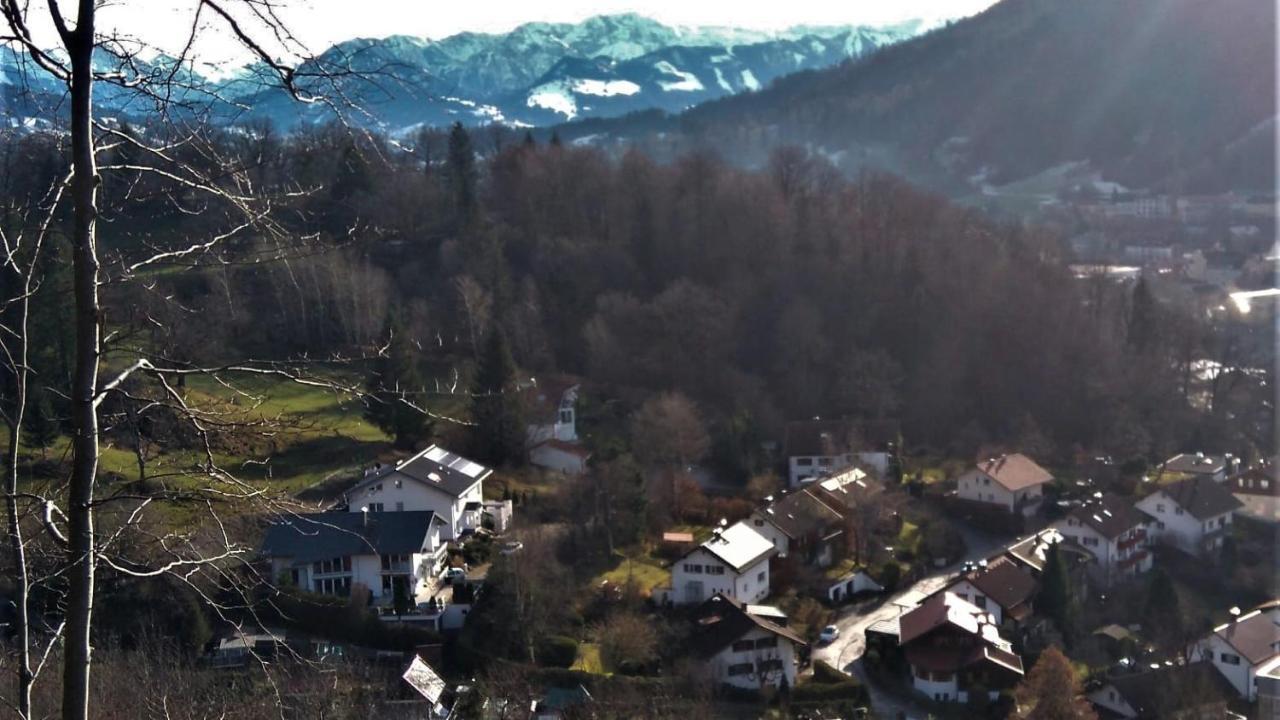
x: 766, y: 296
x: 1178, y: 94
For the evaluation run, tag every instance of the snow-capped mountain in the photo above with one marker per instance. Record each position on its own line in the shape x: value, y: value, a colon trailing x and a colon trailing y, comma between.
x: 545, y: 73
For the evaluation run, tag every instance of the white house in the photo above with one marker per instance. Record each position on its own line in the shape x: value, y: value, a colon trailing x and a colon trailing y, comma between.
x: 818, y: 448
x: 435, y: 479
x: 800, y: 523
x: 999, y: 586
x: 560, y: 456
x: 1115, y: 533
x: 551, y: 406
x: 1012, y: 482
x: 1258, y: 491
x: 745, y: 646
x: 734, y: 562
x: 1240, y: 649
x: 1192, y: 514
x: 329, y: 553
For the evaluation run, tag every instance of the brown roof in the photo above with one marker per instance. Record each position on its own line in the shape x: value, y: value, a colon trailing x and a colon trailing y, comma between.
x: 800, y: 513
x: 1111, y: 516
x: 1015, y: 472
x: 1201, y: 496
x: 1004, y: 583
x: 723, y: 620
x: 1257, y: 480
x: 1255, y: 636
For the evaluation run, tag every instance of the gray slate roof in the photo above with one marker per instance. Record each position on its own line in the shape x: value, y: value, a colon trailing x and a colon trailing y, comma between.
x: 1202, y: 497
x: 434, y: 467
x: 322, y: 536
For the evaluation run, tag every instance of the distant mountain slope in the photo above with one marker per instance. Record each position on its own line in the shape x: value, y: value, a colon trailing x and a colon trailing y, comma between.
x: 543, y: 73
x: 1180, y: 92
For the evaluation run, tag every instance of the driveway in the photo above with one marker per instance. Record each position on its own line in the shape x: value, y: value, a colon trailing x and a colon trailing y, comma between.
x: 846, y: 652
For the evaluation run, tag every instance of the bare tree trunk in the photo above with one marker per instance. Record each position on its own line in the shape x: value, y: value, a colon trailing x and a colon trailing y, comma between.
x: 80, y: 537
x: 17, y: 546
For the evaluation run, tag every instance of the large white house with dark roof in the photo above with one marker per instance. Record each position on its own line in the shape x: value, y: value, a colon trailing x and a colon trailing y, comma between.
x: 1012, y: 482
x: 1115, y: 532
x: 435, y: 479
x: 330, y: 553
x: 1193, y: 514
x: 734, y: 562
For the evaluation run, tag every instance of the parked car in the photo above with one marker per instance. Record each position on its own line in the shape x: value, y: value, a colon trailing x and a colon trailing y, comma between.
x: 511, y: 548
x: 828, y: 634
x: 454, y: 575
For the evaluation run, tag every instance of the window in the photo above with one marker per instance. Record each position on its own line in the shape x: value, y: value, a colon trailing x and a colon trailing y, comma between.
x: 375, y: 507
x: 824, y: 461
x: 760, y: 577
x: 743, y: 646
x: 389, y: 562
x: 768, y: 642
x: 980, y: 601
x: 1089, y: 541
x: 986, y: 481
x: 329, y: 567
x: 740, y: 669
x: 340, y: 586
x: 566, y: 416
x: 692, y: 568
x: 715, y: 570
x: 772, y: 665
x: 1177, y: 511
x: 759, y: 522
x: 804, y: 462
x: 1229, y: 659
x: 1159, y: 524
x: 1159, y: 507
x: 399, y: 507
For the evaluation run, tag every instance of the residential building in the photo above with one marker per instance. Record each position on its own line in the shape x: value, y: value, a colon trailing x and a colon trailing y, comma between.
x: 1267, y: 683
x: 818, y: 448
x: 390, y: 553
x: 733, y: 562
x: 1000, y: 587
x: 1240, y: 649
x: 801, y: 525
x: 1012, y: 482
x: 848, y: 489
x: 745, y: 646
x: 1115, y: 533
x: 1199, y: 464
x: 1258, y: 491
x: 435, y: 479
x: 953, y: 646
x: 1192, y: 514
x: 562, y: 456
x: 1170, y: 692
x: 1031, y: 554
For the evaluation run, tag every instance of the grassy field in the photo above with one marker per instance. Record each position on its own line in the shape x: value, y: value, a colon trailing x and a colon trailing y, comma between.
x: 588, y: 659
x: 646, y: 571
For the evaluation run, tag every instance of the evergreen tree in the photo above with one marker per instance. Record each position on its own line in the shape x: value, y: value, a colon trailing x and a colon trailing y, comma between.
x: 41, y: 424
x: 395, y: 377
x: 529, y: 142
x: 498, y: 436
x: 1143, y: 318
x: 1164, y: 611
x: 555, y: 138
x: 351, y: 183
x: 1054, y: 598
x: 460, y: 166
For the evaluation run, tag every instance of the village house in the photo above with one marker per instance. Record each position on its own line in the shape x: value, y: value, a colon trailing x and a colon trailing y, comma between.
x: 818, y: 448
x: 1267, y: 683
x: 1032, y: 552
x: 1258, y: 492
x: 393, y: 554
x: 434, y: 480
x: 848, y: 489
x: 1013, y: 482
x: 1217, y: 467
x: 800, y: 525
x: 745, y: 646
x: 552, y: 434
x: 1115, y: 533
x: 1241, y: 648
x: 998, y: 586
x: 733, y: 562
x: 1192, y: 514
x: 954, y: 646
x: 1170, y: 692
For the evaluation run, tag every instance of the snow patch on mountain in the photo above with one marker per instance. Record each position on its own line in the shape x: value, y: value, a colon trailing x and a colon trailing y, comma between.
x: 721, y: 81
x: 688, y: 82
x: 749, y: 80
x: 606, y: 88
x: 554, y: 97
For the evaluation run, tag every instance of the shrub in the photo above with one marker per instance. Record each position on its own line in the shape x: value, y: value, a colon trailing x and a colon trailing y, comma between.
x: 889, y: 575
x: 824, y: 672
x: 557, y: 651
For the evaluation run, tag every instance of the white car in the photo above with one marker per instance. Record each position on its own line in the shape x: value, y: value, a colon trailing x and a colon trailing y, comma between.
x: 454, y: 575
x: 512, y: 548
x: 828, y: 634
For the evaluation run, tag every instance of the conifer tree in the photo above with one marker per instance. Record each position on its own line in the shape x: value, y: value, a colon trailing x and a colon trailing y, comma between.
x: 1054, y: 598
x: 394, y: 379
x: 1143, y: 318
x: 460, y: 166
x: 498, y: 436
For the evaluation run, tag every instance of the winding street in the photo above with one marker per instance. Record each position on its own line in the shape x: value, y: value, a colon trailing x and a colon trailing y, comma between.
x: 846, y: 652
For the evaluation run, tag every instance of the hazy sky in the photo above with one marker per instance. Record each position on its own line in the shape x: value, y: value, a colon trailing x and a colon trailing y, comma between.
x: 320, y: 23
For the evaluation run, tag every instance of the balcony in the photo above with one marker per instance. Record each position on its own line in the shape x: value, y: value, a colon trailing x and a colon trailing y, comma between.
x: 1133, y: 560
x: 1139, y: 538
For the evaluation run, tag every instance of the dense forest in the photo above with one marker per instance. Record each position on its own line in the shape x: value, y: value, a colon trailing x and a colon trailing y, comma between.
x: 765, y: 296
x: 1177, y: 94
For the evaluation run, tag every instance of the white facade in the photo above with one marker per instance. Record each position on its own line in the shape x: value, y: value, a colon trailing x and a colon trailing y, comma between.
x: 1118, y: 559
x: 1109, y: 698
x: 1227, y: 660
x: 756, y: 660
x: 1175, y: 526
x: 761, y: 524
x: 969, y: 593
x: 397, y: 492
x: 698, y: 576
x: 803, y: 468
x: 552, y: 456
x: 978, y: 486
x: 337, y: 576
x: 852, y: 584
x: 564, y: 427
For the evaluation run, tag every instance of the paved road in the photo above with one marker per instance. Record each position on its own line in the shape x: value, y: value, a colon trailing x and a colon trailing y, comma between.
x: 846, y: 652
